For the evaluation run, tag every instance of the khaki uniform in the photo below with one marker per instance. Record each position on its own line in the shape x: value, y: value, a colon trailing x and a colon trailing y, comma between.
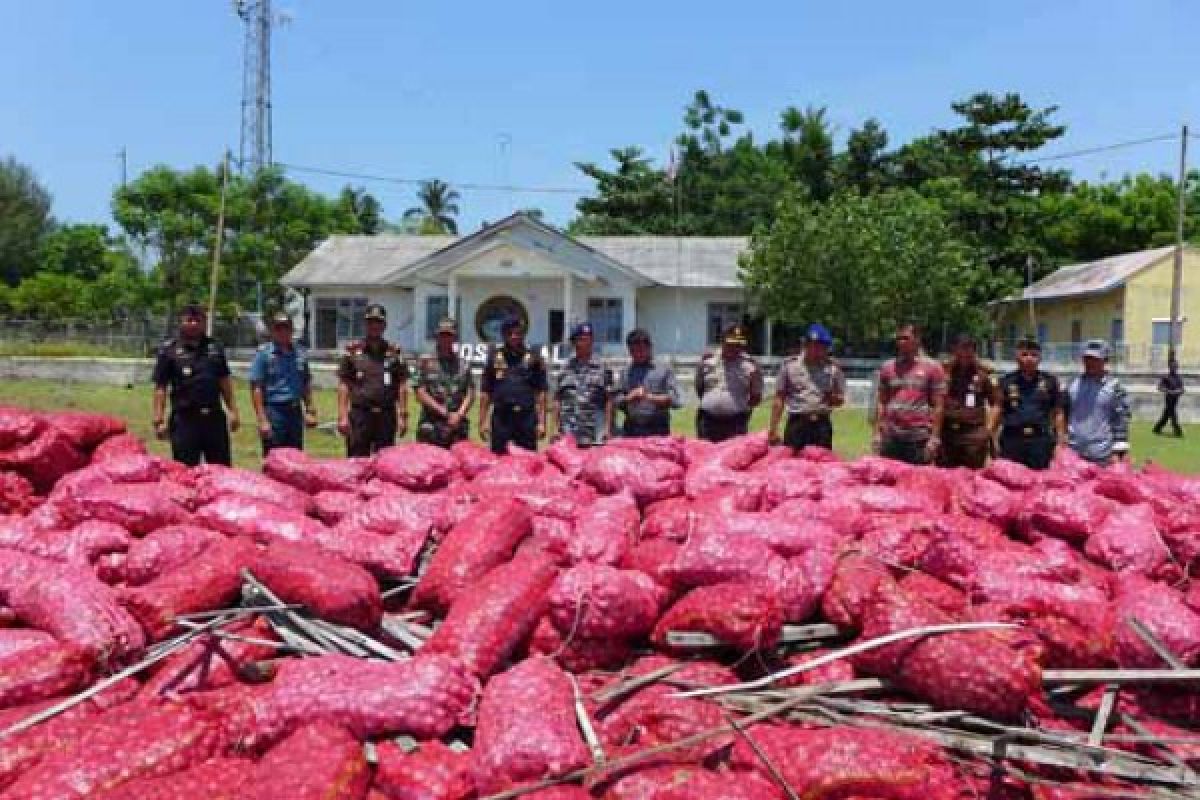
x: 374, y: 372
x: 970, y: 392
x: 807, y: 390
x: 448, y: 381
x: 728, y: 391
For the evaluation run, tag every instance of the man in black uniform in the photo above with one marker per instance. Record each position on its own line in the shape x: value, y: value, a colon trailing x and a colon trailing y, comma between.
x: 193, y: 366
x: 445, y: 390
x: 514, y: 382
x: 1171, y: 387
x: 372, y: 389
x: 1028, y: 416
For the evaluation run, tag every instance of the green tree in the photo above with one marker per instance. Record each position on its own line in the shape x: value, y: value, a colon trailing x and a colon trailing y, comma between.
x: 633, y: 198
x: 360, y: 211
x: 439, y: 207
x: 864, y: 164
x: 862, y: 264
x: 77, y: 250
x: 807, y: 149
x: 24, y: 220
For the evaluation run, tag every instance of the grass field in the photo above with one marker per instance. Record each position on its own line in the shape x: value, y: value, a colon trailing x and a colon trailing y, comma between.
x: 851, y: 434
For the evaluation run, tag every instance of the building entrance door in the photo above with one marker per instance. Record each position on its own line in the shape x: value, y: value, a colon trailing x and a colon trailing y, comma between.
x: 555, y: 325
x: 327, y: 319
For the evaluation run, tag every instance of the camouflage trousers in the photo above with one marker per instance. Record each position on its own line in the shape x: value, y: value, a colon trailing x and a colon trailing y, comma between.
x: 438, y: 433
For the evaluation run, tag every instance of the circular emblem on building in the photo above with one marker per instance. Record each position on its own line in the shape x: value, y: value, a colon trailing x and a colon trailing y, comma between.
x: 492, y: 313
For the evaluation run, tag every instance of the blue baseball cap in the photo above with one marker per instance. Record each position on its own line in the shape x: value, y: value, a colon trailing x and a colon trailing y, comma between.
x: 820, y: 334
x: 582, y: 329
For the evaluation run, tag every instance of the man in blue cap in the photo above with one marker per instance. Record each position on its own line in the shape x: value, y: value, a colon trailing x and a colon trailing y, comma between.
x: 810, y: 386
x: 512, y: 400
x: 583, y: 407
x: 1097, y: 409
x: 281, y: 388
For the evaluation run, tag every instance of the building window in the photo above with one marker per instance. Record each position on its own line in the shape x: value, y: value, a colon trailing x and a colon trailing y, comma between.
x: 1076, y: 331
x: 436, y: 307
x: 1012, y: 333
x: 349, y: 315
x: 720, y: 317
x: 1041, y: 333
x: 1117, y: 332
x: 1160, y: 333
x: 607, y: 318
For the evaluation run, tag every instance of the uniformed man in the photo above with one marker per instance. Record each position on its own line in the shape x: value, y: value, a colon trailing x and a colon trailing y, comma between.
x: 512, y: 403
x: 1096, y: 409
x: 583, y: 395
x: 1028, y: 413
x: 730, y: 386
x: 372, y: 390
x: 809, y: 386
x: 970, y: 396
x: 646, y: 392
x: 281, y: 388
x: 910, y: 402
x: 445, y: 390
x: 1171, y: 388
x: 193, y: 367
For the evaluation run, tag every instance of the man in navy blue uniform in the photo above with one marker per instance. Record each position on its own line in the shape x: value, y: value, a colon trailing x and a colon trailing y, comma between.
x: 512, y: 402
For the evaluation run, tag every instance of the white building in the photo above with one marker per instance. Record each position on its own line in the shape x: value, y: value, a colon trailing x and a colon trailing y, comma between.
x: 684, y: 290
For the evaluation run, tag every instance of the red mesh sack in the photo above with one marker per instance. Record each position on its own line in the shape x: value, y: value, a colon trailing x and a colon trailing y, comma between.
x: 711, y: 478
x: 485, y: 539
x: 607, y: 529
x: 575, y: 653
x: 613, y: 470
x: 1011, y: 475
x: 212, y: 579
x: 566, y: 455
x: 122, y: 745
x: 140, y: 508
x: 42, y: 671
x: 318, y: 762
x: 490, y: 620
x: 424, y: 697
x: 44, y: 459
x: 85, y: 430
x: 216, y: 481
x: 565, y: 500
x: 1163, y: 611
x: 897, y: 539
x: 164, y: 550
x: 16, y: 640
x: 331, y: 588
x: 123, y: 444
x: 710, y: 558
x: 937, y: 487
x: 973, y: 671
x: 846, y: 762
x: 675, y: 518
x: 654, y: 558
x: 18, y: 426
x: 81, y: 545
x: 1071, y: 514
x: 941, y: 595
x: 667, y: 448
x: 131, y: 468
x: 398, y: 511
x: 238, y: 515
x: 985, y: 499
x: 745, y: 616
x: 433, y: 772
x: 310, y: 475
x: 853, y: 584
x: 16, y: 494
x: 838, y: 671
x: 1123, y: 486
x: 211, y: 662
x: 1129, y: 541
x: 473, y: 458
x: 553, y: 536
x: 593, y: 601
x: 684, y: 782
x: 527, y: 728
x: 215, y: 779
x: 332, y: 507
x: 741, y: 452
x: 656, y: 716
x: 562, y: 792
x: 76, y: 608
x: 420, y: 467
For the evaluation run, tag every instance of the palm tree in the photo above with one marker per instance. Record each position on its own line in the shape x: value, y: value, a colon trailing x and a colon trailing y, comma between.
x: 439, y: 207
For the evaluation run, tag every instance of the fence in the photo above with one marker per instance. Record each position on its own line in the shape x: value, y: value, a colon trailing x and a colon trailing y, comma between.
x: 132, y: 337
x: 1124, y: 356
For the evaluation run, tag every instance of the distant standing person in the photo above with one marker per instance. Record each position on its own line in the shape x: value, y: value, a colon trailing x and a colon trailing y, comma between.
x: 193, y: 367
x: 1027, y: 420
x: 445, y: 390
x: 970, y: 397
x: 646, y: 391
x: 810, y: 387
x: 583, y: 394
x: 729, y: 385
x: 911, y: 400
x: 1171, y: 388
x: 512, y: 403
x: 281, y: 388
x: 372, y: 391
x: 1097, y: 409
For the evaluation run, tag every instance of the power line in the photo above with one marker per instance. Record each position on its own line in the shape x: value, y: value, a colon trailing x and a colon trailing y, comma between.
x: 1102, y: 149
x: 469, y: 187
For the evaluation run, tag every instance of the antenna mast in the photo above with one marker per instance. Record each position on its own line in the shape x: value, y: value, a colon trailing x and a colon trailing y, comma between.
x: 254, y: 150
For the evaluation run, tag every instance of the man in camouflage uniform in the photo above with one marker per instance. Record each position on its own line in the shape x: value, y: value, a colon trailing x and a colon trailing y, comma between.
x: 512, y: 393
x: 970, y: 397
x: 583, y: 406
x: 809, y: 386
x: 730, y: 386
x: 445, y: 389
x: 372, y: 390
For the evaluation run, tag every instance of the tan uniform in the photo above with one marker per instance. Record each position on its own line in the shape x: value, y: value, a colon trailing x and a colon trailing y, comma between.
x: 808, y: 391
x: 374, y: 373
x: 970, y: 392
x: 728, y: 390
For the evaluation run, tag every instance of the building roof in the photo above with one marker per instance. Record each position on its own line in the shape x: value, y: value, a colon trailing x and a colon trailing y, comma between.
x: 686, y: 261
x: 1094, y: 277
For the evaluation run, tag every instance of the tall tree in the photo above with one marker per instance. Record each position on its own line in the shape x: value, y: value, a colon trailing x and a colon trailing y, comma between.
x: 359, y: 210
x: 863, y: 166
x: 439, y: 207
x: 632, y: 198
x: 807, y: 148
x: 77, y: 250
x: 24, y: 220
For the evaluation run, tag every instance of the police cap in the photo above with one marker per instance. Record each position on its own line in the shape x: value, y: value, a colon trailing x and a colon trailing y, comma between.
x: 1028, y: 342
x: 582, y: 329
x: 447, y: 325
x: 636, y: 336
x: 193, y: 311
x: 281, y: 318
x: 375, y: 311
x: 820, y: 334
x: 736, y: 335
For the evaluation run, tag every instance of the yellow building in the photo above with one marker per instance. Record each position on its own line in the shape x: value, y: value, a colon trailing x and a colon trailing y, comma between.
x: 1124, y: 299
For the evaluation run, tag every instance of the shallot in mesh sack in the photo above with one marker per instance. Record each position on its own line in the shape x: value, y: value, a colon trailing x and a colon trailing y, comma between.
x: 44, y: 459
x: 19, y: 426
x: 745, y: 616
x: 123, y: 444
x: 1163, y: 611
x: 16, y: 640
x: 432, y: 772
x: 609, y: 528
x: 215, y: 779
x: 85, y: 430
x: 527, y: 730
x: 1129, y: 541
x: 138, y: 507
x: 332, y: 507
x: 491, y: 619
x: 42, y: 671
x: 613, y: 470
x: 213, y: 662
x: 594, y: 601
x: 330, y: 587
x: 1071, y: 514
x: 576, y: 654
x: 214, y: 480
x: 688, y: 782
x: 164, y: 550
x: 321, y: 761
x: 416, y: 466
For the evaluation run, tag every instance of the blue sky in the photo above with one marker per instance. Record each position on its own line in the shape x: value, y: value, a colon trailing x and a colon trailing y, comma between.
x: 515, y: 92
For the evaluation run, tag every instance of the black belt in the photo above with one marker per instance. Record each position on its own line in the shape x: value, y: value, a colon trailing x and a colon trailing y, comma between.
x: 513, y: 408
x: 370, y: 409
x: 1025, y: 430
x: 289, y: 404
x: 812, y: 416
x: 959, y: 426
x: 203, y: 411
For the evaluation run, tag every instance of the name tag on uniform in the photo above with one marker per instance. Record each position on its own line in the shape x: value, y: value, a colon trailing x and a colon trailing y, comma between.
x: 187, y: 372
x: 970, y: 400
x: 387, y: 378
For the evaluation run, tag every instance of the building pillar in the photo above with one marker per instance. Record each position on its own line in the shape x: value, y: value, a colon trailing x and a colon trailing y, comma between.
x: 568, y: 301
x: 452, y: 300
x: 628, y: 310
x: 767, y: 338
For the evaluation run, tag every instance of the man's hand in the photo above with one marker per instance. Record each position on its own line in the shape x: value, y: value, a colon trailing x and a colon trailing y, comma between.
x: 485, y: 430
x: 264, y: 429
x: 235, y: 422
x: 160, y: 428
x: 454, y: 419
x: 773, y: 437
x: 310, y: 418
x: 637, y: 394
x: 932, y: 447
x: 343, y: 425
x: 541, y: 430
x: 402, y: 425
x: 877, y: 443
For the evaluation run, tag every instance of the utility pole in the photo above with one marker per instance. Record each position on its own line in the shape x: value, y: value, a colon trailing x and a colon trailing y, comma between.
x: 1029, y: 292
x: 123, y: 157
x: 1177, y: 276
x: 254, y: 151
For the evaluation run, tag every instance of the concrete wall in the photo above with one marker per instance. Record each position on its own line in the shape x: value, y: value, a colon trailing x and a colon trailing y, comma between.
x: 664, y: 312
x: 397, y: 302
x: 1148, y: 298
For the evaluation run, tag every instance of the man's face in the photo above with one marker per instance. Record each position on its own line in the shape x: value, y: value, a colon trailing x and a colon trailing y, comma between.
x: 583, y: 346
x: 640, y: 351
x: 965, y: 354
x: 1028, y: 360
x: 192, y: 326
x: 515, y: 338
x: 281, y: 333
x: 731, y: 351
x: 375, y: 328
x: 1093, y: 366
x: 815, y: 351
x: 906, y: 343
x: 445, y: 344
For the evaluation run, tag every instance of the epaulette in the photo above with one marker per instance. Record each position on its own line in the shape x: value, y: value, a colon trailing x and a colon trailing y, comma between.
x: 354, y: 347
